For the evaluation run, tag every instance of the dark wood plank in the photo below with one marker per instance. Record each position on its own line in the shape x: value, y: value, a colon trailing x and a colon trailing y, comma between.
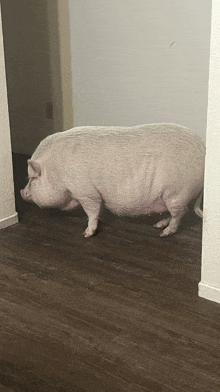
x: 118, y: 312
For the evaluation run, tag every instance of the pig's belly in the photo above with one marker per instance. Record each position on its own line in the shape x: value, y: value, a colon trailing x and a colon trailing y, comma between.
x: 132, y: 208
x: 133, y: 190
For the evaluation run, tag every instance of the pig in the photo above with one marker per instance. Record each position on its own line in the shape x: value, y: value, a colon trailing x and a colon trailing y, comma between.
x: 136, y: 170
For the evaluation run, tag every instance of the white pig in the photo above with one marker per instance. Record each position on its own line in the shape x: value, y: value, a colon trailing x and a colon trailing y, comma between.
x: 134, y: 170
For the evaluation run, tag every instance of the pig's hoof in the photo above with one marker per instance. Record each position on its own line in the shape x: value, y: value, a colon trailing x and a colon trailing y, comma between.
x: 87, y: 233
x: 167, y: 231
x: 163, y: 223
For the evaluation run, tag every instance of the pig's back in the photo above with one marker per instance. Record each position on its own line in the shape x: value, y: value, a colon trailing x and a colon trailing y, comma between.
x: 125, y: 148
x: 148, y: 137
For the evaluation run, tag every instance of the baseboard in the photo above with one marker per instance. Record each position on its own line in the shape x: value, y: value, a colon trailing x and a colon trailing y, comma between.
x: 209, y: 292
x: 9, y: 221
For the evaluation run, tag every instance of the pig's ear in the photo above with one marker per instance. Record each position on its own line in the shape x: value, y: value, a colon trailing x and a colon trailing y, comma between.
x: 35, y: 167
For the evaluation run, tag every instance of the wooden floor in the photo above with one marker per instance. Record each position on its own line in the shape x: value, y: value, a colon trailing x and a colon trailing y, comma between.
x: 118, y: 312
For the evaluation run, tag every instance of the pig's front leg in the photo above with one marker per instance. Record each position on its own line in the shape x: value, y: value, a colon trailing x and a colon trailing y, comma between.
x: 92, y: 209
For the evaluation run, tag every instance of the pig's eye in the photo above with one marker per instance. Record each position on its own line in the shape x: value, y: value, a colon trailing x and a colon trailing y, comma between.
x: 31, y: 179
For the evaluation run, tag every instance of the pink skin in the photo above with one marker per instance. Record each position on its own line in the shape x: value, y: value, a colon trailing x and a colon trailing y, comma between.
x: 39, y: 191
x: 43, y: 194
x: 161, y: 168
x: 25, y: 194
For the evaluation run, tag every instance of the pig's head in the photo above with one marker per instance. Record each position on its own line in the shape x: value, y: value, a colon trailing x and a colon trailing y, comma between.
x: 45, y: 192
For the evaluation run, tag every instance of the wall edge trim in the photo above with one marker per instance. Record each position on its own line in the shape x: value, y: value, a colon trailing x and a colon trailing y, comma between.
x: 209, y: 292
x: 9, y: 221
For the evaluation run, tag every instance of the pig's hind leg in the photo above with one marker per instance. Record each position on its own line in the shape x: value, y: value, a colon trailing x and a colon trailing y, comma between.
x: 177, y: 208
x: 92, y: 209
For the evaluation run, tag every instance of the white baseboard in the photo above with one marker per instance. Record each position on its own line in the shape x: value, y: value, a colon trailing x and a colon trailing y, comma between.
x: 9, y: 221
x: 209, y: 292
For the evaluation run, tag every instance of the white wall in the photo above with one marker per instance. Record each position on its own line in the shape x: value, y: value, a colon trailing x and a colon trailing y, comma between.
x: 140, y: 61
x: 209, y: 286
x: 8, y: 216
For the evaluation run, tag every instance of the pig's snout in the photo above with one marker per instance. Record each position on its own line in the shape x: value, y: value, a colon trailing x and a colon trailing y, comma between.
x: 25, y: 194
